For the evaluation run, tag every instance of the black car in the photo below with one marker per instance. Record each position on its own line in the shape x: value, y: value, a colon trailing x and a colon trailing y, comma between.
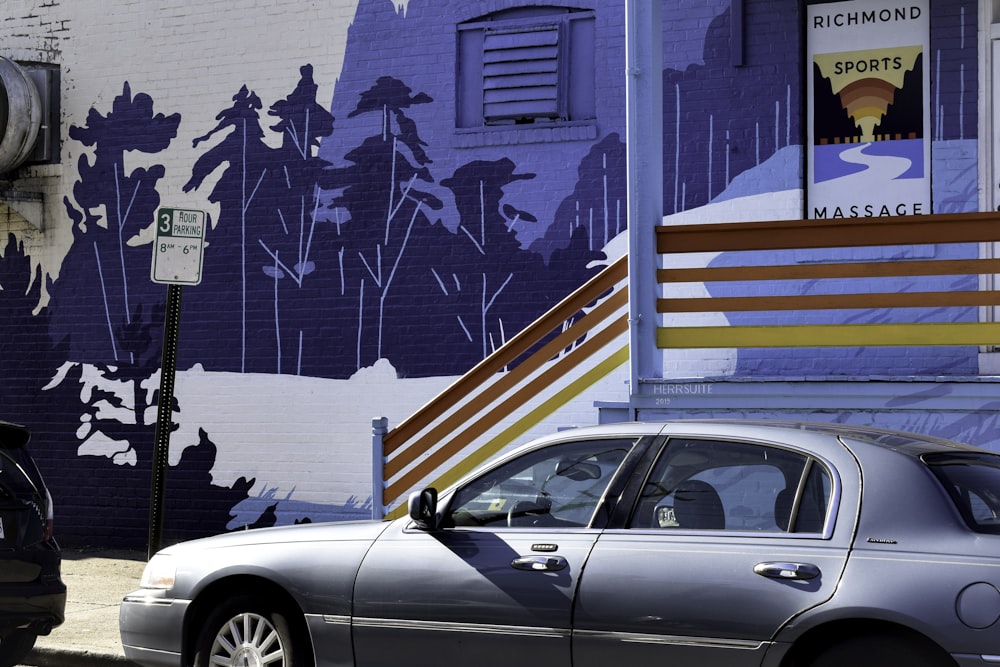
x: 32, y: 593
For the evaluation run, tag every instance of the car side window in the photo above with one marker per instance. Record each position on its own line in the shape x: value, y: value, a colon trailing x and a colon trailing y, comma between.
x: 734, y: 486
x: 558, y: 486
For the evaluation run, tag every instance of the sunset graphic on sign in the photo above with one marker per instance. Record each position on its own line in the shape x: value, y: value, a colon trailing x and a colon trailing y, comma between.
x: 866, y: 83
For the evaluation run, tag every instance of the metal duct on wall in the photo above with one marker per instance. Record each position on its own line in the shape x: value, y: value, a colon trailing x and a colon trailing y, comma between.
x: 20, y: 115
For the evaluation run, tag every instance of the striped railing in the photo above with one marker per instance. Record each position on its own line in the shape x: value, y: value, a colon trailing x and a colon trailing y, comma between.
x: 475, y: 417
x: 801, y: 285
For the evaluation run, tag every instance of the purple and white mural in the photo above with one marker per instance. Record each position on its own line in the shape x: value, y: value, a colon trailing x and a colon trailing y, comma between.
x: 363, y: 247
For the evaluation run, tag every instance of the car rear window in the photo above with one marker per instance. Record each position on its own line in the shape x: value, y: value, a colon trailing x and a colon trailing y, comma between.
x: 972, y: 479
x: 18, y: 472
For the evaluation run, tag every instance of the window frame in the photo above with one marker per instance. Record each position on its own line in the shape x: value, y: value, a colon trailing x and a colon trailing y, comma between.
x: 811, y: 461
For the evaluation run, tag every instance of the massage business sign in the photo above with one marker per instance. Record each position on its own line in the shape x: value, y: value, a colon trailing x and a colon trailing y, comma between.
x: 869, y: 109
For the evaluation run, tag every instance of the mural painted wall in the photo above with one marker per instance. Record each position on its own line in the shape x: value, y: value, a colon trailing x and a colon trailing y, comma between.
x: 363, y: 250
x: 355, y: 258
x: 937, y: 390
x: 954, y: 167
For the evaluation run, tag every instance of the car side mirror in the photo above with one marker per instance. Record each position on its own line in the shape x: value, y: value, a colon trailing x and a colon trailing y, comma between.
x: 423, y: 508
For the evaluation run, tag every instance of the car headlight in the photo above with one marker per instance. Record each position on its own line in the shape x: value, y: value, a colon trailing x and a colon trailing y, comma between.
x: 160, y: 572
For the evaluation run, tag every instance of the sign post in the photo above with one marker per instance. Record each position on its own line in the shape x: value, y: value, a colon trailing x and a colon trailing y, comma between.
x: 177, y: 260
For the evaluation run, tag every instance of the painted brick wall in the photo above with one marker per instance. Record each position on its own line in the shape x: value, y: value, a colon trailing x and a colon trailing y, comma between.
x: 248, y: 442
x: 295, y: 448
x: 190, y: 58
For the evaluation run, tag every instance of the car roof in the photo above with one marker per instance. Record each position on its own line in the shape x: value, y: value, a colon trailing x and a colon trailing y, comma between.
x: 851, y: 435
x: 828, y: 440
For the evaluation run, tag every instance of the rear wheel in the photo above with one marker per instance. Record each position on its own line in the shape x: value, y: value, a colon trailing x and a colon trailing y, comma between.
x: 16, y: 646
x: 246, y: 631
x: 880, y: 650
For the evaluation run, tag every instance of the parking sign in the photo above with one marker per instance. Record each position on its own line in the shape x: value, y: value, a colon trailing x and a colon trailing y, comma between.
x: 179, y: 247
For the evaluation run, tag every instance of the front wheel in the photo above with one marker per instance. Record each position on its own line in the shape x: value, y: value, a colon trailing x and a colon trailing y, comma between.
x: 878, y: 651
x: 248, y: 631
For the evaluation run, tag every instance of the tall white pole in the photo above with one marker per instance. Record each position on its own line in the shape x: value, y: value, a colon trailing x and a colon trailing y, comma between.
x: 644, y: 147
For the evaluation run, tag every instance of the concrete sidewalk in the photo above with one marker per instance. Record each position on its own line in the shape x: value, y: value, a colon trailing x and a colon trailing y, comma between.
x: 96, y: 581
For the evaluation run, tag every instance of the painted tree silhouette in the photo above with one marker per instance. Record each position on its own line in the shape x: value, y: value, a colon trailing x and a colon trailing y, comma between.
x: 293, y: 243
x: 103, y: 302
x: 27, y: 358
x: 271, y: 252
x: 107, y: 314
x: 109, y: 207
x: 384, y: 200
x: 491, y: 290
x: 238, y: 191
x: 597, y: 207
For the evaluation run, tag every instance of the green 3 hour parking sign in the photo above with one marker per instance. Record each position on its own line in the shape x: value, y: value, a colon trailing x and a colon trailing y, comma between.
x: 179, y: 247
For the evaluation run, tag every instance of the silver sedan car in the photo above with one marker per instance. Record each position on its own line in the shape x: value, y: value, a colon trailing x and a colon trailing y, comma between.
x: 685, y: 543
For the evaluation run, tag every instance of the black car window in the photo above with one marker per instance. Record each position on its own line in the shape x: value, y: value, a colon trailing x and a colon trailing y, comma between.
x: 558, y: 486
x: 18, y: 473
x: 733, y: 486
x: 23, y: 503
x: 972, y: 479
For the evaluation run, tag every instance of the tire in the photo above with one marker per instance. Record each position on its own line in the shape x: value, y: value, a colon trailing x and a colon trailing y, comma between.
x: 882, y: 650
x: 16, y: 646
x: 246, y: 630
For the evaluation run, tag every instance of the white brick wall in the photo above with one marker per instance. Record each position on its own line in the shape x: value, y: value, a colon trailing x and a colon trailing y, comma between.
x: 190, y: 57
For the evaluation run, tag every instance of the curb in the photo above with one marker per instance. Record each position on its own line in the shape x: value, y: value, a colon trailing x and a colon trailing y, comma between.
x: 49, y: 657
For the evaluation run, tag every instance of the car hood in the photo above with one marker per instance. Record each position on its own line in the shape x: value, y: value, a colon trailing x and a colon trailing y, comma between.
x: 341, y: 531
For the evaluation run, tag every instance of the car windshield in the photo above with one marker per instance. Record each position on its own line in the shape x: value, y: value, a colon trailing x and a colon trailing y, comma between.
x: 973, y: 481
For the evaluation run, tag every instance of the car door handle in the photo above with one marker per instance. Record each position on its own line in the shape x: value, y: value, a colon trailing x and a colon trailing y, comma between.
x: 539, y: 563
x: 779, y: 570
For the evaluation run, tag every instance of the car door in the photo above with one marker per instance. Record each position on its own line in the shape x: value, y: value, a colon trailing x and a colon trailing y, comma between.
x: 727, y: 542
x: 496, y: 579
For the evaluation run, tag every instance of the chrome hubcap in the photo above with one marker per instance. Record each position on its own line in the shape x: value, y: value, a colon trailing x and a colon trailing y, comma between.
x: 248, y: 640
